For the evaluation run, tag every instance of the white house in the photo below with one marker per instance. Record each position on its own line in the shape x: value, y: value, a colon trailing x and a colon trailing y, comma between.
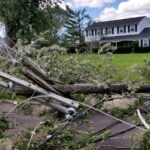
x: 120, y: 32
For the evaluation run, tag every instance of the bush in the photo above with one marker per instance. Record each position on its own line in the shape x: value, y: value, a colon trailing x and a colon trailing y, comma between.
x: 107, y: 48
x: 123, y: 50
x: 145, y: 70
x: 94, y: 50
x: 71, y: 50
x: 82, y: 48
x: 121, y: 113
x: 129, y: 49
x: 145, y: 143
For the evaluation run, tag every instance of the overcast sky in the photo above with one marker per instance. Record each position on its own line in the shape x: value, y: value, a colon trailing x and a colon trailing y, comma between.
x: 112, y: 9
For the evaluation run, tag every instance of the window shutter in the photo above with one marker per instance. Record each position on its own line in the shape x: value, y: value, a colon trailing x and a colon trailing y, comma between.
x: 92, y: 32
x: 106, y: 31
x: 128, y: 28
x: 124, y: 29
x: 135, y: 27
x: 141, y: 43
x: 117, y: 29
x: 112, y: 30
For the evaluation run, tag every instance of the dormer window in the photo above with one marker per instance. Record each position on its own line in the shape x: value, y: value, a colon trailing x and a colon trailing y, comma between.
x: 109, y: 31
x: 104, y: 31
x: 99, y: 32
x: 121, y: 29
x: 132, y: 28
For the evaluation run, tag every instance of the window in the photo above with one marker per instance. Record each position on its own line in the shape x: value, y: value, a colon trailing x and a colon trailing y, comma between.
x: 121, y: 30
x: 145, y: 43
x: 104, y: 31
x: 90, y: 33
x: 132, y: 28
x: 109, y: 31
x: 99, y: 32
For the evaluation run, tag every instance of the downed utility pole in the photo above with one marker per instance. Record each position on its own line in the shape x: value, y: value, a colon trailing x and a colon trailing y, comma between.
x: 40, y: 90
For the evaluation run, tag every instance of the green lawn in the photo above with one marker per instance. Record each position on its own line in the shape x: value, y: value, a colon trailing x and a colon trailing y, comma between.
x: 121, y: 61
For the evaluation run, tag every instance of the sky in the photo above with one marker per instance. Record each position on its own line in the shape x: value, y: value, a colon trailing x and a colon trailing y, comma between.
x: 111, y: 9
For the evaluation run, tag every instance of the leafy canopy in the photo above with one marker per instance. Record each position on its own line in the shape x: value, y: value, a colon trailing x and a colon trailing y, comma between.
x: 26, y: 19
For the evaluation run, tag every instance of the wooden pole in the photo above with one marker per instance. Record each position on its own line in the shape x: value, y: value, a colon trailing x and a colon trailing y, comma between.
x: 40, y: 90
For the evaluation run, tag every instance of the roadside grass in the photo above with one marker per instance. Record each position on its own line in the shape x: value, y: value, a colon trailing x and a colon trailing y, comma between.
x: 122, y: 62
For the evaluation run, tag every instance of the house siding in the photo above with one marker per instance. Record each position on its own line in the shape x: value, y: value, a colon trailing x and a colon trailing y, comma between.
x: 96, y: 34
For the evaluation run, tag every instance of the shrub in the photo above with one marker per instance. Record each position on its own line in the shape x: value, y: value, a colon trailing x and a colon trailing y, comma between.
x: 94, y: 50
x: 145, y: 69
x: 107, y: 48
x: 130, y: 49
x: 71, y: 50
x: 120, y: 113
x: 145, y: 143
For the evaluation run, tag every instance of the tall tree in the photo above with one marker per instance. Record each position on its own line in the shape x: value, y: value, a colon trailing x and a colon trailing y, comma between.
x: 75, y: 26
x: 25, y: 18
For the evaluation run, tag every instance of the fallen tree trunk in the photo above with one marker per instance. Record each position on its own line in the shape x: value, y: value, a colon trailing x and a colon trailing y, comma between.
x: 91, y: 88
x: 39, y: 81
x: 37, y: 70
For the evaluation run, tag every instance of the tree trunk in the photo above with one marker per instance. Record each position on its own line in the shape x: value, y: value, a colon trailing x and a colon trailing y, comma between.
x: 91, y: 89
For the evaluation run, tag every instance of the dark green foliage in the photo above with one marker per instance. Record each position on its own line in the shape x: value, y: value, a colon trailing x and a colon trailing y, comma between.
x: 145, y: 69
x: 135, y: 44
x: 26, y: 19
x: 7, y: 95
x: 4, y: 125
x: 75, y: 27
x: 22, y: 145
x: 71, y: 50
x: 126, y: 50
x: 94, y: 50
x: 120, y: 113
x: 145, y: 143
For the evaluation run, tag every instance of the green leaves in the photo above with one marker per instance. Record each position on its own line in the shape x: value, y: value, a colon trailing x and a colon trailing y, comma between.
x: 75, y: 26
x: 25, y: 19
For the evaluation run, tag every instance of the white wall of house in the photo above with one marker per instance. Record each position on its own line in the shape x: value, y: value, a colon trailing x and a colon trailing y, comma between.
x: 144, y: 23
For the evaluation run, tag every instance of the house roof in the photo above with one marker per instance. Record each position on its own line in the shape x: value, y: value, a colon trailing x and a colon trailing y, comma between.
x: 144, y: 34
x: 112, y: 23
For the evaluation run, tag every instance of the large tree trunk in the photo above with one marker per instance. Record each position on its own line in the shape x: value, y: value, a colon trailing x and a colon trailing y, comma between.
x: 91, y: 89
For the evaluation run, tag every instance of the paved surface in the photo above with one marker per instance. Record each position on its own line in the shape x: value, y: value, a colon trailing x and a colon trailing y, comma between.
x: 95, y: 122
x: 98, y: 122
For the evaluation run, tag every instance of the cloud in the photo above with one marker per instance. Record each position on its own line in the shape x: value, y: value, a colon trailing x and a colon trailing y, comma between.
x: 64, y: 4
x: 88, y: 3
x: 129, y: 8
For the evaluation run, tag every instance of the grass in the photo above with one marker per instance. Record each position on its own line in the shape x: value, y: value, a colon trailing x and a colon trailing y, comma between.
x: 121, y: 61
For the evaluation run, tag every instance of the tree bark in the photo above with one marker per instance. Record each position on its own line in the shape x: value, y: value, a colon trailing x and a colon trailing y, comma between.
x: 37, y: 70
x: 91, y: 89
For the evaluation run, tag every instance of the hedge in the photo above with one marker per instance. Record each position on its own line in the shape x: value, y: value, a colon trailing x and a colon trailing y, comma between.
x: 125, y: 50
